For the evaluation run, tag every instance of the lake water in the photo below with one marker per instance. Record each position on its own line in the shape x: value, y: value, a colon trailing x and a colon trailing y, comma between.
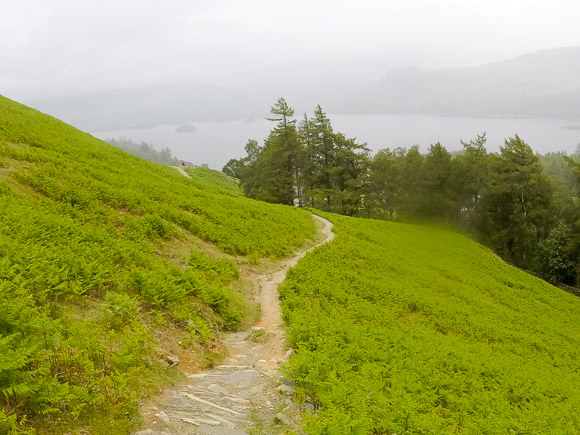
x: 215, y: 143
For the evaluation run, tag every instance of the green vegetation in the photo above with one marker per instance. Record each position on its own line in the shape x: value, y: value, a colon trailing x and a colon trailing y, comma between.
x: 412, y: 329
x: 96, y: 265
x: 214, y: 179
x: 108, y: 263
x: 310, y: 165
x: 146, y: 151
x: 519, y: 204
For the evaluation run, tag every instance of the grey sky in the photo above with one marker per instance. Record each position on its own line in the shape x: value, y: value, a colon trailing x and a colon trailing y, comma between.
x: 65, y: 47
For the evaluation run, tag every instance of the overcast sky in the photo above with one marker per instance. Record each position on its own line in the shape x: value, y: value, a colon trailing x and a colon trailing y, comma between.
x: 66, y: 47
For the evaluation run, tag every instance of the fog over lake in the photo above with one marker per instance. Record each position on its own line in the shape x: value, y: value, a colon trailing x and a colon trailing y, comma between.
x: 215, y: 143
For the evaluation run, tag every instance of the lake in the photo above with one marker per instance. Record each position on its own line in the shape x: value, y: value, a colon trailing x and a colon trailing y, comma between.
x: 215, y: 143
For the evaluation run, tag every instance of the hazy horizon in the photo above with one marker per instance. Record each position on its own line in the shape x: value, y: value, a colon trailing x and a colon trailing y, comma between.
x: 154, y: 64
x: 65, y: 48
x: 215, y: 143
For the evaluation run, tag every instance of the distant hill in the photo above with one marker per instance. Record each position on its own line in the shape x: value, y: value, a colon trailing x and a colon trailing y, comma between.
x: 147, y: 107
x: 541, y: 84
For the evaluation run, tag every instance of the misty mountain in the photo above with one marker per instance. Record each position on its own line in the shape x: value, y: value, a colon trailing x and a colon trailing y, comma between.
x: 149, y: 106
x: 541, y: 84
x: 184, y: 103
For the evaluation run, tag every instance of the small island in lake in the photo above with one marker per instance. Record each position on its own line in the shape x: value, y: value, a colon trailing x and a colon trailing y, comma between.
x: 185, y: 129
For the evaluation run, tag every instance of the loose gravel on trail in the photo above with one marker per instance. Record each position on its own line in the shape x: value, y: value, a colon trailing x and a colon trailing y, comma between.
x: 245, y: 394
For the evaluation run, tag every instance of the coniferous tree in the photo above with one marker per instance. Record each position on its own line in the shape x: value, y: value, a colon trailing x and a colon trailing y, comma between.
x: 411, y: 179
x: 351, y: 164
x: 279, y: 158
x: 324, y: 159
x: 384, y: 188
x: 517, y: 204
x: 436, y: 196
x: 506, y: 200
x: 306, y: 136
x: 471, y: 170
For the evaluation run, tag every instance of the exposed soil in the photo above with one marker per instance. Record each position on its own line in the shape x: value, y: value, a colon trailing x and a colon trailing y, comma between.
x: 246, y: 393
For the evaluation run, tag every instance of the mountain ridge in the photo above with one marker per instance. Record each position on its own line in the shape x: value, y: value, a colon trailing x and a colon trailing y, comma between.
x: 541, y: 84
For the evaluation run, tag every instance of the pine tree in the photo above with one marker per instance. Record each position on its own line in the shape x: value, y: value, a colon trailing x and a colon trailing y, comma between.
x: 470, y: 173
x: 279, y: 171
x: 307, y: 161
x: 324, y: 158
x: 436, y: 196
x: 351, y: 164
x: 383, y: 192
x: 411, y: 179
x: 517, y: 204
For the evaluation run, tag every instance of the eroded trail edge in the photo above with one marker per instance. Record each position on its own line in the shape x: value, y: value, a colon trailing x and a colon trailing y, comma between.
x: 246, y: 393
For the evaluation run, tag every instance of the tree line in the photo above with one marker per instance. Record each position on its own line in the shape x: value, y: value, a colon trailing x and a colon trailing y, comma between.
x: 147, y: 151
x: 529, y: 215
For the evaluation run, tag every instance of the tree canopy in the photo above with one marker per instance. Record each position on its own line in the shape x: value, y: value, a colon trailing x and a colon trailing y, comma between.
x: 506, y: 200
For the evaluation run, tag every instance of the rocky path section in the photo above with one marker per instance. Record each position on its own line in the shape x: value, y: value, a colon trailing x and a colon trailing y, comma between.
x: 245, y: 394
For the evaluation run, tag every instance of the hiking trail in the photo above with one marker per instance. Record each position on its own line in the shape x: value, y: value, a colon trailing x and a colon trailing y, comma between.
x: 246, y: 392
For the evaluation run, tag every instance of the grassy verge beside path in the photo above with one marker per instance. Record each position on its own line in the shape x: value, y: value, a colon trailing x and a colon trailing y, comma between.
x: 107, y: 264
x: 409, y: 329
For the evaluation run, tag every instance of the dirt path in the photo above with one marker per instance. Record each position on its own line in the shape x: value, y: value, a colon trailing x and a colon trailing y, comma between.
x: 246, y: 394
x: 182, y: 171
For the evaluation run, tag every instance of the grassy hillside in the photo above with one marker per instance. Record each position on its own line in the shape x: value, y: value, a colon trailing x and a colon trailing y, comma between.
x: 409, y: 329
x: 213, y: 179
x: 98, y: 278
x: 109, y: 263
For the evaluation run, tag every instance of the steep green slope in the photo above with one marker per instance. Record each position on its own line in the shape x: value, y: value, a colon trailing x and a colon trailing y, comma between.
x: 95, y: 266
x: 409, y: 329
x: 210, y: 178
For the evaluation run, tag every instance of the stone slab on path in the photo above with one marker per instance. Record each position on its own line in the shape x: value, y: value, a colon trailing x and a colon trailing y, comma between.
x: 246, y: 391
